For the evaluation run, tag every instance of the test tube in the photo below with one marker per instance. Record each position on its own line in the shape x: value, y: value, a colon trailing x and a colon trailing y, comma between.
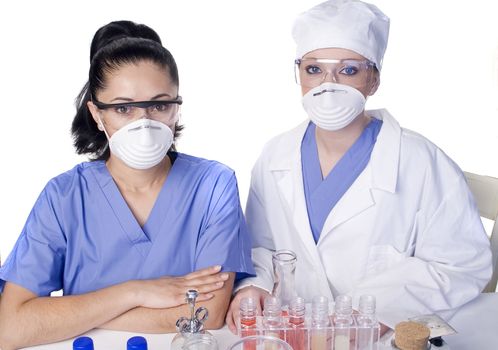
x: 343, y: 319
x: 248, y: 310
x: 272, y: 320
x: 297, y: 336
x: 368, y: 328
x: 320, y: 323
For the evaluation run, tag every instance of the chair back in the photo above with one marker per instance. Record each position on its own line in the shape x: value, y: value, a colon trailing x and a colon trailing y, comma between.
x: 485, y: 191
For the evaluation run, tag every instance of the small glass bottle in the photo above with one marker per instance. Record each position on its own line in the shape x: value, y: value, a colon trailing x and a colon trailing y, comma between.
x: 297, y: 336
x: 284, y: 268
x: 320, y: 323
x: 247, y: 313
x: 83, y: 343
x: 343, y: 319
x: 201, y: 341
x: 190, y: 330
x: 136, y: 343
x: 367, y: 326
x: 272, y: 317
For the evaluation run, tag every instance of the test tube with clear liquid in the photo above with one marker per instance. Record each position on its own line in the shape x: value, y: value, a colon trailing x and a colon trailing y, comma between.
x: 343, y: 320
x: 320, y: 324
x: 367, y: 326
x: 272, y: 320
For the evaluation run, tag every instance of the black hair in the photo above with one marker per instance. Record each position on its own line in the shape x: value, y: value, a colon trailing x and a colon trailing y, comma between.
x: 114, y: 45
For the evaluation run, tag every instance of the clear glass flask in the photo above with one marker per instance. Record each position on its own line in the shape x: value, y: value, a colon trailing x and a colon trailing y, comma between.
x: 284, y: 268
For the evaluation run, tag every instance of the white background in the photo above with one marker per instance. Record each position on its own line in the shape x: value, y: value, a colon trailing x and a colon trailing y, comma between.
x: 235, y: 58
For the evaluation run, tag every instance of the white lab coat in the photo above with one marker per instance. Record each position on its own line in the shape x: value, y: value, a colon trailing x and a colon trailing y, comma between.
x: 406, y: 231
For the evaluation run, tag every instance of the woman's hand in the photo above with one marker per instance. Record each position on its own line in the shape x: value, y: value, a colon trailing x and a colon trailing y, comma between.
x: 166, y: 292
x: 258, y: 294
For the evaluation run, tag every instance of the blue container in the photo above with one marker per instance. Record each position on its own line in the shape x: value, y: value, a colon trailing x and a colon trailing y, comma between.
x: 136, y: 343
x: 83, y: 343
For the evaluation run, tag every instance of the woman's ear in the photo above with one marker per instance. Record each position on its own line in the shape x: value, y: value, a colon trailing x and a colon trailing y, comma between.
x: 375, y: 84
x: 95, y: 112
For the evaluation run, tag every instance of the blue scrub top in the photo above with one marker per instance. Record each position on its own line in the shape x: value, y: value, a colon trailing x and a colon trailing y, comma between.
x: 81, y: 235
x: 323, y: 194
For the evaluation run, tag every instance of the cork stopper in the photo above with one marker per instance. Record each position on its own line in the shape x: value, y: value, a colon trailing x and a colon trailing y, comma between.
x: 411, y: 336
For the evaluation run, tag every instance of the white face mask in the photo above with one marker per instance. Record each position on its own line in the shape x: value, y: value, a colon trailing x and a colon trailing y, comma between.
x: 142, y: 143
x: 333, y: 106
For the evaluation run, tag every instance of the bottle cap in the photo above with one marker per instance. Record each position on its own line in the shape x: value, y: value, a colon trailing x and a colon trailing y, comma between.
x: 343, y: 305
x: 136, y: 343
x: 320, y: 306
x: 273, y: 307
x: 83, y: 343
x: 247, y: 304
x: 297, y: 303
x: 367, y: 304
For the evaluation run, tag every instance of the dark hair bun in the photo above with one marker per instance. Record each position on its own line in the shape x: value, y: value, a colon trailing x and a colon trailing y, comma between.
x: 121, y: 29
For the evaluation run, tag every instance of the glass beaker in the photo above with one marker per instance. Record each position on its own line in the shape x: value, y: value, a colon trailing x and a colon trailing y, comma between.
x: 284, y: 268
x: 261, y: 342
x: 200, y: 341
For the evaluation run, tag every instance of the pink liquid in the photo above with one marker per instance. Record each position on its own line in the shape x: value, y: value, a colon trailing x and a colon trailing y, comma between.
x: 297, y: 336
x: 248, y: 328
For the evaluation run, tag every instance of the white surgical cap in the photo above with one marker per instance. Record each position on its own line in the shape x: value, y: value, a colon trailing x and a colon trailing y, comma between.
x: 346, y: 24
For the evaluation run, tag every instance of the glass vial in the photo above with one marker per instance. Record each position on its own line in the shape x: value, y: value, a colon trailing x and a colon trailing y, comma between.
x: 272, y: 317
x: 200, y: 341
x: 284, y: 268
x: 343, y: 319
x: 297, y: 335
x: 83, y: 343
x: 367, y: 326
x: 247, y: 314
x: 320, y: 323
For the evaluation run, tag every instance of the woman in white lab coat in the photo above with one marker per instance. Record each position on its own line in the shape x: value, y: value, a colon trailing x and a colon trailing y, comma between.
x: 367, y: 206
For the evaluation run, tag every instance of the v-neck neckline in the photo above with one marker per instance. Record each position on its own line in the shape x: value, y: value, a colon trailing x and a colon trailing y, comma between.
x: 140, y: 236
x: 317, y: 179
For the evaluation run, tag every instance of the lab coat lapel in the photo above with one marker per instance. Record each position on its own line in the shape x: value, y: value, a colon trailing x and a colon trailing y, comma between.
x: 356, y: 199
x: 381, y: 173
x: 287, y: 172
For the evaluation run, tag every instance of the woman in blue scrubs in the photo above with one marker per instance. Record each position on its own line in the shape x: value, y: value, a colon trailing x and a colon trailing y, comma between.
x: 128, y: 233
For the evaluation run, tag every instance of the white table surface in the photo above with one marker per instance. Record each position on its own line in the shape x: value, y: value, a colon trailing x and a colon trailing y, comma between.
x: 115, y: 340
x: 475, y: 322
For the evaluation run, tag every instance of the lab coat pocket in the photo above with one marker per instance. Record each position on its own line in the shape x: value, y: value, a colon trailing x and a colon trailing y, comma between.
x: 383, y: 257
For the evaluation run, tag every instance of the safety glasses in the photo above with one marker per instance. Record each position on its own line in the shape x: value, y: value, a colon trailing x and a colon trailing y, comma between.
x: 122, y: 113
x: 312, y: 72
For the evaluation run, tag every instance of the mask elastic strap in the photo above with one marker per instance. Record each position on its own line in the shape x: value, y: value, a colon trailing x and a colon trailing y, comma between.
x: 103, y: 128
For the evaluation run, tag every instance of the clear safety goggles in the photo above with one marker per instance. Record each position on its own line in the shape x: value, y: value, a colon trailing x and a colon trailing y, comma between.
x: 312, y: 72
x: 164, y: 111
